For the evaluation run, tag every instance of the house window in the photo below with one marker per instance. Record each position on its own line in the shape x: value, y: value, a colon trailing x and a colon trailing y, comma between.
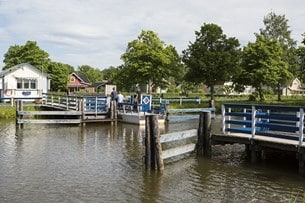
x: 26, y: 84
x: 23, y: 83
x: 33, y: 84
x: 19, y: 83
x: 72, y: 79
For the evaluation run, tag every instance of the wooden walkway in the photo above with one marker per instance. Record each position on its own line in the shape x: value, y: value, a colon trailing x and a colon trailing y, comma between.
x: 258, y: 127
x: 261, y: 127
x: 62, y: 109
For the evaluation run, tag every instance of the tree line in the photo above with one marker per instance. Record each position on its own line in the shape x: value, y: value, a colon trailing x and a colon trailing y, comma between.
x: 272, y: 61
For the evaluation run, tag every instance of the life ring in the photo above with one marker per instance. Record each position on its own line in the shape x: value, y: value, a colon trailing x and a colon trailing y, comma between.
x: 8, y: 92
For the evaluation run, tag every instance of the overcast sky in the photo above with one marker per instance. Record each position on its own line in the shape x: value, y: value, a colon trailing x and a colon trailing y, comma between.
x: 96, y: 32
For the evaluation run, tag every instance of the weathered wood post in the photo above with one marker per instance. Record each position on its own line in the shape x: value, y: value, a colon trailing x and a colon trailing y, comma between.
x: 301, y: 157
x: 153, y: 149
x: 113, y: 112
x: 19, y: 107
x: 204, y: 134
x: 82, y: 109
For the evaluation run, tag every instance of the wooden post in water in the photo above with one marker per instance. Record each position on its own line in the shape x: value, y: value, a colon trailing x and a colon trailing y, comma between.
x: 301, y: 157
x: 82, y: 109
x: 113, y: 112
x: 153, y: 149
x: 19, y: 107
x: 204, y: 133
x: 147, y: 144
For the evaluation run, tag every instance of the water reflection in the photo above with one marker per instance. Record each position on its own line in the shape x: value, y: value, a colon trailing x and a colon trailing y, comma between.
x: 103, y: 163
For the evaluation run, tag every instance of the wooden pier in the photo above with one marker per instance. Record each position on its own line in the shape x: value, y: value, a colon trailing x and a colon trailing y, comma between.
x: 258, y: 127
x: 261, y: 127
x: 62, y: 109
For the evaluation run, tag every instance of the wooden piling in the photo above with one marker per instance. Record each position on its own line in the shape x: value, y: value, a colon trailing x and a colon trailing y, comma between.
x: 113, y: 112
x: 204, y: 134
x: 147, y: 144
x: 19, y: 108
x: 153, y: 149
x: 301, y: 157
x: 82, y: 109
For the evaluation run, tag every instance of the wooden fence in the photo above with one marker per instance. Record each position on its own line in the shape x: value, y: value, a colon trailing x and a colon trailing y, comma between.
x: 154, y: 155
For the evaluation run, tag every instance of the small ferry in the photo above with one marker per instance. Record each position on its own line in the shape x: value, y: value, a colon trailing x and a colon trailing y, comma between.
x: 133, y: 112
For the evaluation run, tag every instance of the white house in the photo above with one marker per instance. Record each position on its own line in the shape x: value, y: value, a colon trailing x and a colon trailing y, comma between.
x: 227, y: 88
x: 23, y: 81
x: 294, y: 88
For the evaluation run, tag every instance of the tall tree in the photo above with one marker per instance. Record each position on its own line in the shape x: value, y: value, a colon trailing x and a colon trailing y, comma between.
x: 276, y: 28
x: 148, y: 60
x: 59, y: 74
x: 301, y: 60
x: 93, y: 74
x: 28, y: 53
x: 263, y: 64
x: 212, y: 58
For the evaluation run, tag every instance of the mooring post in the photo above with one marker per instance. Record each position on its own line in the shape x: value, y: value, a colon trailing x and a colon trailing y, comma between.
x: 147, y: 144
x: 301, y: 157
x: 153, y: 149
x: 82, y: 108
x: 256, y: 151
x: 113, y: 112
x: 204, y: 134
x: 19, y: 108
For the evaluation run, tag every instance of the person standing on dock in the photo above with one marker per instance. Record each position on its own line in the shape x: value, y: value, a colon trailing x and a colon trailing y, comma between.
x: 114, y: 94
x: 120, y: 98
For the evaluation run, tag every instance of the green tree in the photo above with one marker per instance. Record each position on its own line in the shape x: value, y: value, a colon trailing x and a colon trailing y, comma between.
x: 148, y: 60
x: 276, y: 28
x: 28, y: 53
x: 212, y: 58
x: 301, y: 60
x: 262, y: 64
x: 93, y: 74
x: 109, y: 73
x: 59, y: 74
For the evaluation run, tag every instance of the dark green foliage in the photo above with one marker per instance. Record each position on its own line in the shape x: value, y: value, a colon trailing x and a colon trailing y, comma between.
x: 276, y: 28
x: 262, y: 65
x: 59, y: 74
x: 93, y: 74
x: 148, y: 60
x: 212, y: 58
x: 28, y: 53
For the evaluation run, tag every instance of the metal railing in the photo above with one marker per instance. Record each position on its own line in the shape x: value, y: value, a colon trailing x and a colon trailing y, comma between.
x: 286, y: 122
x: 95, y: 104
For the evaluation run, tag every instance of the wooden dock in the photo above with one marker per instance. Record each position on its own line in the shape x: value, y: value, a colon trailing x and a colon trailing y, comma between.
x: 258, y: 127
x: 63, y: 109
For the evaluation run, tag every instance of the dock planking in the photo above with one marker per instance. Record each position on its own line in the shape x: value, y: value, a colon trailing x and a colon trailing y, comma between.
x: 64, y: 109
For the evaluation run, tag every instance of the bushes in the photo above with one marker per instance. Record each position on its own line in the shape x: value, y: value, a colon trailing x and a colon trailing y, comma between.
x: 7, y: 112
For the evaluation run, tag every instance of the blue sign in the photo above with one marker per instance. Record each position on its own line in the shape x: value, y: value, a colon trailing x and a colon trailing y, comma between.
x: 146, y: 103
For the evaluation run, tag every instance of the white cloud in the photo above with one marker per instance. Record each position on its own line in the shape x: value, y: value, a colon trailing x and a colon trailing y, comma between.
x: 96, y: 32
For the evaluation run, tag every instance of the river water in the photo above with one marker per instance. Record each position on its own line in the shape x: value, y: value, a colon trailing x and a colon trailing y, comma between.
x: 100, y: 163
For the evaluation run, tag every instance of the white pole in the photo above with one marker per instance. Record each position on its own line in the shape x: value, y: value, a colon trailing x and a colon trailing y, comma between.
x: 301, y: 126
x: 253, y: 121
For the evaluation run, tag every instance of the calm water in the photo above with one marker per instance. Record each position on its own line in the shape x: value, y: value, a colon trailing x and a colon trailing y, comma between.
x: 98, y: 163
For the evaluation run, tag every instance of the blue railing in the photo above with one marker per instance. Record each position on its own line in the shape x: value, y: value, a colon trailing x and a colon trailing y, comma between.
x: 95, y: 104
x: 285, y: 122
x: 90, y: 104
